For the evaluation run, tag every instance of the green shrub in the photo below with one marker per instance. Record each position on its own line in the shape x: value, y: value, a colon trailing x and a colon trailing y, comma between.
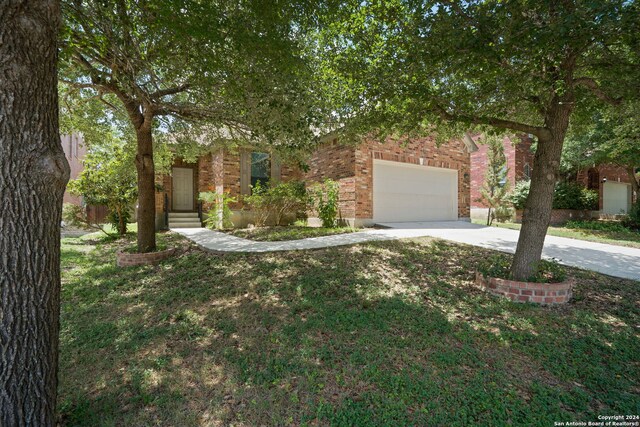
x: 566, y: 195
x: 612, y: 226
x: 217, y: 210
x: 590, y: 199
x: 546, y: 272
x: 277, y: 201
x: 632, y: 219
x: 502, y: 213
x: 326, y: 200
x: 519, y: 194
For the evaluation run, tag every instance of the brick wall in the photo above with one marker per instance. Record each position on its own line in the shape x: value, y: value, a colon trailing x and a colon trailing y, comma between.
x: 75, y: 151
x: 518, y: 155
x: 612, y: 172
x: 539, y: 293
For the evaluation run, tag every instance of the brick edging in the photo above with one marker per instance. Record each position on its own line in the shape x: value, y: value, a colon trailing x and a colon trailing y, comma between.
x: 539, y: 293
x: 127, y: 259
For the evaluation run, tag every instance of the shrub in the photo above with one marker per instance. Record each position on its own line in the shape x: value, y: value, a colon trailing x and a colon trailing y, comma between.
x: 632, y: 219
x: 327, y: 197
x: 519, y: 194
x: 218, y: 213
x: 566, y: 195
x: 546, y: 271
x: 275, y: 202
x: 597, y: 226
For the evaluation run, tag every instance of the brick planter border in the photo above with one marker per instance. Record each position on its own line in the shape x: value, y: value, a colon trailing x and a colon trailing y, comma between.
x: 539, y: 293
x: 128, y: 259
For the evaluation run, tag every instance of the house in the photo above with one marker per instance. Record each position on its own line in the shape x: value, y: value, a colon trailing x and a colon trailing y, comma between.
x: 613, y: 185
x: 390, y: 181
x: 74, y: 151
x: 612, y: 182
x: 519, y: 154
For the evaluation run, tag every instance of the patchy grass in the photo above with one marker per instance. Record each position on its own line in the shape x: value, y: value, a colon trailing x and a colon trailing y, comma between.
x: 274, y: 234
x: 385, y: 333
x: 613, y: 237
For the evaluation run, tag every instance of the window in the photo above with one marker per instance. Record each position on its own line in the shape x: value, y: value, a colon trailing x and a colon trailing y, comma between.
x: 260, y: 168
x: 503, y: 172
x: 527, y: 171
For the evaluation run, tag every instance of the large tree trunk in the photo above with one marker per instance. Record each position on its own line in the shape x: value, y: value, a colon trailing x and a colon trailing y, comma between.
x: 33, y: 175
x: 537, y: 210
x: 146, y: 189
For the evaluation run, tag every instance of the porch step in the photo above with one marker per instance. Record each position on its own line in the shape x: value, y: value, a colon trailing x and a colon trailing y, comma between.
x: 184, y: 220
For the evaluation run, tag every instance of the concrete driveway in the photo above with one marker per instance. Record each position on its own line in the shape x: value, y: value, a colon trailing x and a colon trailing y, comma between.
x: 617, y: 261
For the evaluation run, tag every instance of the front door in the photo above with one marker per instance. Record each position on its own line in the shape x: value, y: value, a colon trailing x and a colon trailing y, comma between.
x: 182, y: 189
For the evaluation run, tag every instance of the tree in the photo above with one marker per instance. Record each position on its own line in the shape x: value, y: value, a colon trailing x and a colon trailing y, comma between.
x: 108, y: 179
x: 523, y: 66
x: 33, y: 175
x: 232, y: 64
x: 611, y: 136
x: 495, y: 188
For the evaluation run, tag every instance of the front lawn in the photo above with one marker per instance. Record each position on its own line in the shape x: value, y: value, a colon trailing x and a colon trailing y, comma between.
x: 293, y: 232
x: 384, y: 333
x: 581, y: 231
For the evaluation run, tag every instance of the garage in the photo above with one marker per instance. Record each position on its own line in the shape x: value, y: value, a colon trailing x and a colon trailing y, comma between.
x: 616, y: 198
x: 405, y: 192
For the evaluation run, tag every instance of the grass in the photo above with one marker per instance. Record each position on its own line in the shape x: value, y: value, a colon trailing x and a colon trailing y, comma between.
x: 293, y: 232
x: 384, y: 333
x: 627, y: 238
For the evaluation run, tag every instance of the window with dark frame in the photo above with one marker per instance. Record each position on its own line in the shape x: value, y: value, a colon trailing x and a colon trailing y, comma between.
x: 260, y: 168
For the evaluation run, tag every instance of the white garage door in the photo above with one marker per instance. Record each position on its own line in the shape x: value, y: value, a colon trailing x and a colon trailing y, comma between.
x: 405, y: 192
x: 616, y: 197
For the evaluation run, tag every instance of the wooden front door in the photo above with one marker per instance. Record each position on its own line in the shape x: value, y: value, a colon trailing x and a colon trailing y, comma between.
x: 182, y: 189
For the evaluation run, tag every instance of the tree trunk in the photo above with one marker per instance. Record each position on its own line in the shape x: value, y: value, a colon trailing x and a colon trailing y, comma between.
x: 122, y: 226
x: 537, y: 209
x: 631, y: 171
x: 33, y: 175
x: 146, y: 189
x: 489, y: 216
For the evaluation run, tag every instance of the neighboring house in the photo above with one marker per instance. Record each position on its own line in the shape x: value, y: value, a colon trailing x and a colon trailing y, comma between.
x: 613, y: 185
x: 393, y: 181
x: 612, y: 182
x: 75, y: 151
x: 519, y: 156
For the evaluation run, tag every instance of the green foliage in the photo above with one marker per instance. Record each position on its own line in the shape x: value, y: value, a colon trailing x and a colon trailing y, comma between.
x: 217, y: 209
x: 567, y: 195
x: 495, y: 189
x: 109, y: 178
x: 503, y: 212
x: 545, y: 271
x: 519, y: 194
x: 326, y: 199
x: 632, y: 219
x: 610, y: 226
x: 275, y: 203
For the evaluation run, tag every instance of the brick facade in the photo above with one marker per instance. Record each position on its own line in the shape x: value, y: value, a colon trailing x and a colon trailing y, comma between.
x: 349, y: 165
x: 352, y: 168
x: 593, y: 178
x: 519, y: 156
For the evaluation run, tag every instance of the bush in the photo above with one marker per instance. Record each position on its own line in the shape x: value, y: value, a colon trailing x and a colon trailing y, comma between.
x: 519, y: 194
x: 612, y: 226
x: 275, y: 202
x: 327, y: 198
x: 217, y: 210
x: 566, y: 195
x: 632, y: 219
x: 502, y: 213
x: 546, y: 272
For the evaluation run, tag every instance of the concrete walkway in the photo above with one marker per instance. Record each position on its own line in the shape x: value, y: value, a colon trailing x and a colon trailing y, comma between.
x: 618, y: 261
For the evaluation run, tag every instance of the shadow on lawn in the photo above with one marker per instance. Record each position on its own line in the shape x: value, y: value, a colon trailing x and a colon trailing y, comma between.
x: 379, y: 334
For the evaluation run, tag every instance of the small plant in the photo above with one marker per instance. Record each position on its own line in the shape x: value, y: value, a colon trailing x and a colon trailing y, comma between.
x: 218, y: 212
x: 567, y: 195
x: 546, y: 272
x: 519, y: 194
x: 502, y: 213
x: 495, y: 190
x: 612, y: 226
x: 327, y: 198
